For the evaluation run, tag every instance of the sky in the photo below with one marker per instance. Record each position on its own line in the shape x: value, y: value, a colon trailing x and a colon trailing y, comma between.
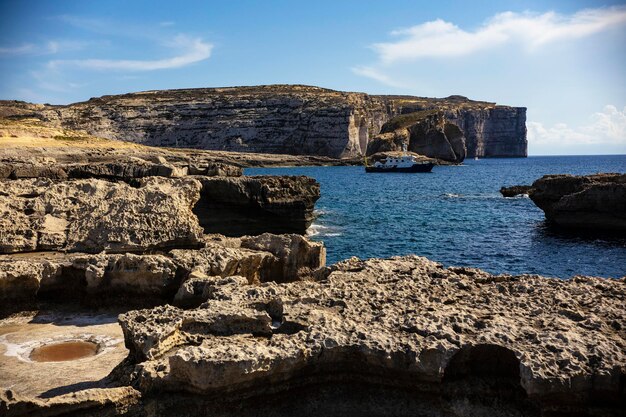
x: 563, y: 60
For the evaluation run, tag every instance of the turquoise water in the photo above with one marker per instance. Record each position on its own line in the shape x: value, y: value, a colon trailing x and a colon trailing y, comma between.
x: 456, y: 215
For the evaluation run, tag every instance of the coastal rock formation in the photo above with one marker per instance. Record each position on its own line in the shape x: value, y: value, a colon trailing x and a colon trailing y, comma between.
x: 96, y: 402
x: 454, y: 338
x: 592, y: 202
x: 284, y: 119
x: 269, y: 119
x: 295, y: 255
x: 254, y: 205
x: 109, y: 278
x: 426, y: 133
x: 29, y: 143
x: 95, y: 215
x: 515, y: 190
x: 126, y: 171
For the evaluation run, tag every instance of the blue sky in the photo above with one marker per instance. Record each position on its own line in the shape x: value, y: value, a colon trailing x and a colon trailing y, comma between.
x: 564, y: 60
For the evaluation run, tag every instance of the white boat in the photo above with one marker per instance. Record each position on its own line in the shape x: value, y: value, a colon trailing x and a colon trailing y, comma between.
x: 400, y: 163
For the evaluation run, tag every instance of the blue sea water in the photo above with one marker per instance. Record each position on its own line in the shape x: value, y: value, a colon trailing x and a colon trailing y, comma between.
x: 456, y: 215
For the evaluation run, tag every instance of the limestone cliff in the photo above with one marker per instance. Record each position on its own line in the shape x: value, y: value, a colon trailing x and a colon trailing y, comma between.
x: 425, y: 133
x: 287, y: 119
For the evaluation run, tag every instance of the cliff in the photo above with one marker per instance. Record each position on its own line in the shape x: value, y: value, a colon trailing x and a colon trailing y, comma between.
x: 425, y: 133
x: 286, y: 119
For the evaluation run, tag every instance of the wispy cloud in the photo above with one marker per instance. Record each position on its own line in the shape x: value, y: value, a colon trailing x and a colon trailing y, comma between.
x: 17, y: 50
x: 192, y: 50
x: 45, y: 48
x: 439, y: 38
x: 377, y: 75
x: 605, y: 127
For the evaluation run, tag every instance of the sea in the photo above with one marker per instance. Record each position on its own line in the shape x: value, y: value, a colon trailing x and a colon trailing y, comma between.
x: 456, y: 215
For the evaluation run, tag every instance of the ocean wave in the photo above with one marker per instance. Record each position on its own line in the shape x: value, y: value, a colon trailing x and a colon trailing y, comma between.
x: 321, y: 230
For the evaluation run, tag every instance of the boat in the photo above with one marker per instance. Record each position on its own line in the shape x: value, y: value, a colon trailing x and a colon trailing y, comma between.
x: 401, y: 163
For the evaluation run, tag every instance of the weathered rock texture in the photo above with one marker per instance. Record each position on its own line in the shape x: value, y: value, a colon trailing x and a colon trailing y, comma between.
x: 94, y: 402
x: 95, y: 215
x: 29, y: 139
x: 439, y: 341
x: 592, y: 202
x: 107, y: 278
x: 254, y: 205
x: 426, y: 133
x: 285, y: 119
x: 50, y: 211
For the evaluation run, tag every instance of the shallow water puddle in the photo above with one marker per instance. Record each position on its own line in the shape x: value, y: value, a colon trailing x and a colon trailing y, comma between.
x: 64, y: 351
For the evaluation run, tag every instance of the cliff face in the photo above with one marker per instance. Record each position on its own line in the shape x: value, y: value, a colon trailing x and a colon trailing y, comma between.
x: 268, y: 119
x: 425, y: 133
x: 490, y: 130
x: 287, y: 119
x: 493, y: 132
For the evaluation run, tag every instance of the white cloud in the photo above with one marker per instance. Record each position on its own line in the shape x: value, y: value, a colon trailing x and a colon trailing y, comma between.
x: 377, y: 75
x: 439, y: 38
x: 17, y: 50
x: 606, y: 127
x: 47, y: 48
x: 193, y: 50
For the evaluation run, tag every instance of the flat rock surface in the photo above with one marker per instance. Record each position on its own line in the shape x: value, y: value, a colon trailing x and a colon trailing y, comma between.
x: 406, y: 316
x: 22, y: 333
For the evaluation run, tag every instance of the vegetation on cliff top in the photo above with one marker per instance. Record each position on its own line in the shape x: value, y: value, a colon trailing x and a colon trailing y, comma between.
x: 406, y: 120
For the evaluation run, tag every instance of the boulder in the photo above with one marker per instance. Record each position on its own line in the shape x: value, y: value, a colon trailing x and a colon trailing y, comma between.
x: 238, y: 206
x: 589, y: 203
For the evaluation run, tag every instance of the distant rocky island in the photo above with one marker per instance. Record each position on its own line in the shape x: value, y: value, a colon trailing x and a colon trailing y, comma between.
x: 282, y: 119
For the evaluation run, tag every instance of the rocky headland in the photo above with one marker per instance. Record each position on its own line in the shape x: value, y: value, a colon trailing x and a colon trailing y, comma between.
x: 276, y: 119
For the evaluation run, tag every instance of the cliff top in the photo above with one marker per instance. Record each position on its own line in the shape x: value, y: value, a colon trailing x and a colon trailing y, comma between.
x: 454, y: 101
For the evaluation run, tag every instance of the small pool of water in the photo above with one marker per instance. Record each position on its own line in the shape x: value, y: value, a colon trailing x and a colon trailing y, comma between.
x: 64, y: 351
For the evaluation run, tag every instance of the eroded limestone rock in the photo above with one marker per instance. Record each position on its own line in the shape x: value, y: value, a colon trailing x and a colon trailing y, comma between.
x: 258, y: 204
x: 189, y: 273
x: 95, y: 215
x: 404, y: 322
x: 295, y: 256
x: 593, y: 202
x: 278, y: 119
x: 426, y: 133
x: 515, y: 190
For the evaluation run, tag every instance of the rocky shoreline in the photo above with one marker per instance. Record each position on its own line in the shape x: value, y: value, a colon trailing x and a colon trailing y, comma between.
x: 203, y: 296
x: 588, y: 203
